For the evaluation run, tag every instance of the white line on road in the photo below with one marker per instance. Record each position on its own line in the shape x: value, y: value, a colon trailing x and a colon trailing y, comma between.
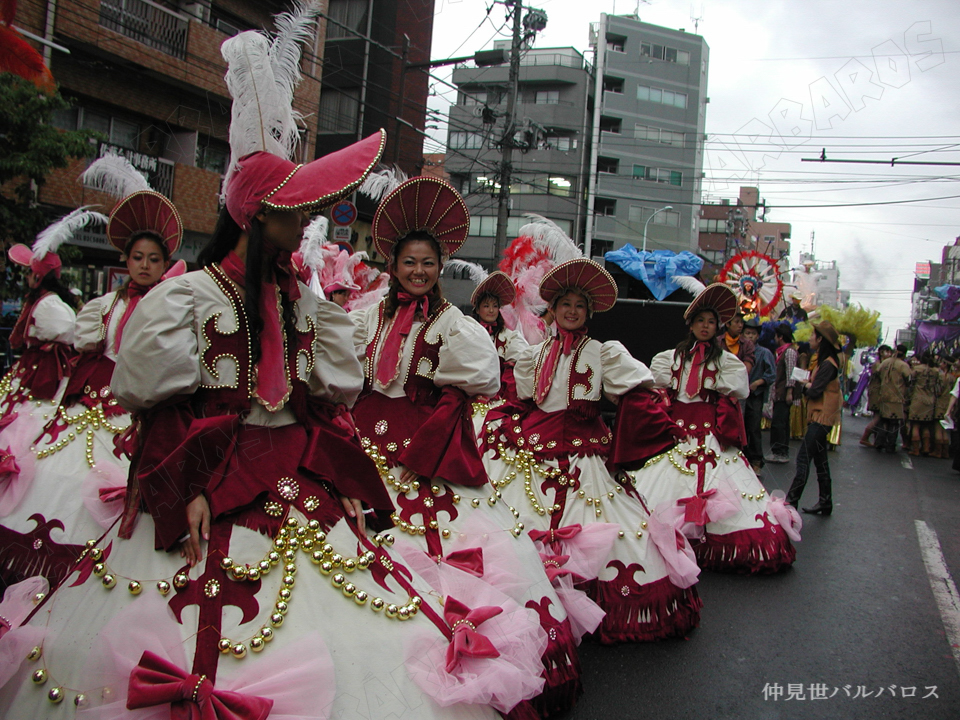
x: 905, y: 461
x: 944, y: 590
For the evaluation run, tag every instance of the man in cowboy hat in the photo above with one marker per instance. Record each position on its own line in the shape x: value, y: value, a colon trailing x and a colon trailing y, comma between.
x: 762, y: 377
x: 894, y: 374
x: 793, y: 312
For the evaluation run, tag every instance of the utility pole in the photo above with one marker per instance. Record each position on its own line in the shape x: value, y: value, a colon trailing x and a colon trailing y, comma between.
x: 506, y: 143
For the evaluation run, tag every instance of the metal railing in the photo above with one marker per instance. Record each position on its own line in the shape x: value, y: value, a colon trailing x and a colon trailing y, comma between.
x: 147, y: 22
x: 162, y: 179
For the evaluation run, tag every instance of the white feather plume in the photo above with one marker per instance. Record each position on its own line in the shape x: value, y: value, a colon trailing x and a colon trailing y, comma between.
x: 261, y: 118
x: 293, y: 29
x: 548, y: 235
x: 314, y: 238
x: 474, y: 271
x: 690, y: 284
x: 382, y: 182
x: 50, y: 239
x: 116, y: 175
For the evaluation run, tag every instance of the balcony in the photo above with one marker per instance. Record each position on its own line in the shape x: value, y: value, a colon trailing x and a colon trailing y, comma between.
x: 147, y: 23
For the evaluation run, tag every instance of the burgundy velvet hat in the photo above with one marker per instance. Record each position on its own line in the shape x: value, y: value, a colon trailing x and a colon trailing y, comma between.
x: 23, y: 255
x: 421, y: 204
x: 264, y: 179
x: 718, y: 297
x: 584, y: 275
x: 145, y: 210
x: 497, y: 284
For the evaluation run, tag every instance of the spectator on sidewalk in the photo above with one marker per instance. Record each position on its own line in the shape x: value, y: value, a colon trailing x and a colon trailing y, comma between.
x: 762, y: 377
x: 894, y: 376
x: 783, y: 395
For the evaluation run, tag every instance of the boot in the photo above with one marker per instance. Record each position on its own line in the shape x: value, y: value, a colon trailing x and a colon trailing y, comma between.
x: 914, y: 448
x: 824, y: 505
x: 926, y: 445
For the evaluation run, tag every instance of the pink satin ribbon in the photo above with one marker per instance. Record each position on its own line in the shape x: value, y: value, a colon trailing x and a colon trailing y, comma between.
x: 696, y: 507
x: 8, y: 463
x: 469, y: 560
x: 135, y: 293
x: 467, y: 642
x: 694, y: 380
x: 155, y: 681
x: 562, y: 344
x: 551, y: 536
x: 553, y: 566
x: 110, y: 494
x: 388, y: 368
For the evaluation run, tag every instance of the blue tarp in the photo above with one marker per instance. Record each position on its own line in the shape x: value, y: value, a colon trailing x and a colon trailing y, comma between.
x: 655, y: 268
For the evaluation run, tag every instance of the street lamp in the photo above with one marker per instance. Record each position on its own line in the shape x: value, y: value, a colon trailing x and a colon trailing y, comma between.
x: 668, y: 207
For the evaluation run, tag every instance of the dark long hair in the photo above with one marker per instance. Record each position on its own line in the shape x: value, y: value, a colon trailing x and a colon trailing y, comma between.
x: 145, y: 235
x: 475, y: 313
x: 225, y: 237
x: 826, y: 350
x: 51, y: 283
x: 435, y: 295
x: 714, y: 350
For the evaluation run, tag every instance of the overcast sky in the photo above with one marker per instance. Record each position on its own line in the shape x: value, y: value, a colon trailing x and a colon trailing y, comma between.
x: 888, y: 71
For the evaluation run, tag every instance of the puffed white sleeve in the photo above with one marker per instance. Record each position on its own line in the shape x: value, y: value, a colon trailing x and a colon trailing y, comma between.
x: 525, y: 369
x: 468, y: 359
x: 622, y: 372
x: 661, y: 367
x: 337, y: 373
x: 515, y: 344
x: 53, y: 321
x: 89, y: 327
x: 361, y: 318
x: 732, y: 378
x: 159, y: 357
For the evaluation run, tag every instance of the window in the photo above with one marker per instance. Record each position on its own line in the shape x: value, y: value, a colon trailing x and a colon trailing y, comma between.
x: 351, y: 13
x: 560, y: 186
x: 466, y: 141
x: 712, y: 225
x: 548, y: 97
x: 339, y: 110
x: 473, y: 98
x: 660, y: 175
x: 212, y: 154
x: 605, y: 206
x: 610, y: 124
x: 608, y: 165
x: 559, y: 142
x: 659, y: 135
x: 486, y: 225
x: 662, y: 97
x: 639, y: 215
x: 486, y: 184
x: 616, y: 43
x: 118, y: 132
x: 613, y: 85
x: 661, y: 52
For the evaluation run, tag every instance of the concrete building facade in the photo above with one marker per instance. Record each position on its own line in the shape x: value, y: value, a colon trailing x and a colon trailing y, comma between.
x: 552, y: 144
x: 648, y: 135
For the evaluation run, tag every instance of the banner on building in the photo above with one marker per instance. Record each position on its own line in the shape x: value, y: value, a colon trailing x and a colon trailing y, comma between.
x: 938, y: 339
x: 923, y: 270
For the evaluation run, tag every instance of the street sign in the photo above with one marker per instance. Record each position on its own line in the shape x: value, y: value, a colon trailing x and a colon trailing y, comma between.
x: 342, y: 234
x: 344, y: 213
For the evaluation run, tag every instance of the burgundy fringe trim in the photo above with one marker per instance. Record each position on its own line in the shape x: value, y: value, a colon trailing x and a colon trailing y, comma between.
x: 561, y: 664
x: 761, y: 550
x: 656, y: 611
x: 522, y: 711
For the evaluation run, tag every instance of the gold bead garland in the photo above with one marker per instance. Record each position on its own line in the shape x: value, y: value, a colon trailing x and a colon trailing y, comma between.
x: 87, y: 423
x: 403, y: 488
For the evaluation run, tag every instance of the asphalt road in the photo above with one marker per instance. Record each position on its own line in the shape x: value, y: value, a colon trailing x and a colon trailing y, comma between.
x: 853, y: 630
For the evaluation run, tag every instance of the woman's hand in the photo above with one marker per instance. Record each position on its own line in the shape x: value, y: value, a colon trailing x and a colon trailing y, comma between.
x: 198, y: 522
x: 407, y: 475
x: 354, y: 508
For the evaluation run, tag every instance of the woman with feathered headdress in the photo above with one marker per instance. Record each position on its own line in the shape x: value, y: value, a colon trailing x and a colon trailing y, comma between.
x: 704, y: 481
x: 75, y: 457
x: 254, y: 542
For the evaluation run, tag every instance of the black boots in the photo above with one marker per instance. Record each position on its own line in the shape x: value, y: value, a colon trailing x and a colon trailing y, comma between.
x: 823, y: 507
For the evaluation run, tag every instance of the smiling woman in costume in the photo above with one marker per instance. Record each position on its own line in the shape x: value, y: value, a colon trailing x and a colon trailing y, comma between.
x: 551, y: 464
x: 705, y: 481
x: 424, y: 362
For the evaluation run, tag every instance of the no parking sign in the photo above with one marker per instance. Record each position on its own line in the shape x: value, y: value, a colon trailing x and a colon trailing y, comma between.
x: 344, y: 213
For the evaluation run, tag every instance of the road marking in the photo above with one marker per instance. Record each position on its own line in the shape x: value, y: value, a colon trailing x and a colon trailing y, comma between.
x: 944, y: 590
x: 905, y: 461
